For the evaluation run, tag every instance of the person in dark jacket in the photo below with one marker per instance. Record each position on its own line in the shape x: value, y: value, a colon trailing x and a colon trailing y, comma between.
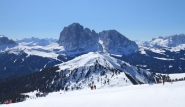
x: 91, y: 87
x: 94, y: 86
x: 163, y: 77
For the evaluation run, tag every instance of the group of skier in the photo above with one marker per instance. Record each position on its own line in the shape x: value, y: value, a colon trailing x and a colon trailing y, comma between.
x: 8, y: 101
x: 93, y: 87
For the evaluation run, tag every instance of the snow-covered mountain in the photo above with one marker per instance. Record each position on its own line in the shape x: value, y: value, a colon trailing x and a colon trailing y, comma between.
x: 161, y: 54
x: 34, y: 54
x: 81, y: 72
x: 82, y: 58
x: 101, y: 69
x: 168, y: 41
x: 165, y: 42
x: 29, y: 55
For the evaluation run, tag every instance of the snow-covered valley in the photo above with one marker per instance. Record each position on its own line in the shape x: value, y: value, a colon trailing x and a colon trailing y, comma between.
x: 148, y: 95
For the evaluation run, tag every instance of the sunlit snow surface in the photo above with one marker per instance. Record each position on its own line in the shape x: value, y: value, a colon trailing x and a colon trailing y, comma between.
x: 50, y: 51
x: 163, y: 58
x: 178, y: 76
x: 158, y: 46
x: 89, y: 59
x: 158, y: 95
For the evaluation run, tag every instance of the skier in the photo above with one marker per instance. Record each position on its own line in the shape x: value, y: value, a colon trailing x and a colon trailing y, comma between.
x: 163, y: 77
x: 94, y: 86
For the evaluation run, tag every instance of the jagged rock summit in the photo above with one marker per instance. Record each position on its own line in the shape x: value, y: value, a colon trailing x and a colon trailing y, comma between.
x: 116, y: 43
x: 76, y: 38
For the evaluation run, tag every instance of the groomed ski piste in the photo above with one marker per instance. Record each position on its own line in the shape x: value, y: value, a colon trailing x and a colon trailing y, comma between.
x: 147, y: 95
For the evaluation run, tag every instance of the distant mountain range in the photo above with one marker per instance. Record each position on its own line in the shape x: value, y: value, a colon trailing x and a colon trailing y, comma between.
x: 29, y: 55
x: 161, y: 54
x: 164, y: 42
x: 36, y: 41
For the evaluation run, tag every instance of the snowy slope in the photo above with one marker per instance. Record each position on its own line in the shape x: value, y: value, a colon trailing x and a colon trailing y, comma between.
x: 38, y: 47
x: 53, y: 50
x: 47, y: 48
x: 177, y: 76
x: 158, y: 95
x: 81, y: 72
x: 102, y: 70
x: 50, y: 51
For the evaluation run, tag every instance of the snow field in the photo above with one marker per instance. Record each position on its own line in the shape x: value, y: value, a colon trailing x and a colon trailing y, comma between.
x: 158, y: 95
x: 177, y: 76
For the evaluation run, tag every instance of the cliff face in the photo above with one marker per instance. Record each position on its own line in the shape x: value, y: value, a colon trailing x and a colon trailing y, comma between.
x: 77, y: 38
x: 116, y: 43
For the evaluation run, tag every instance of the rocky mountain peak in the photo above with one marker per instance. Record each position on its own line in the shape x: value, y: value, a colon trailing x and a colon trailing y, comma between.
x: 6, y: 41
x: 77, y: 38
x: 75, y: 27
x: 116, y: 43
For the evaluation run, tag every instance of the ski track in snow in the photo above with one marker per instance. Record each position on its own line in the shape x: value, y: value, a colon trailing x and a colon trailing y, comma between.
x: 158, y: 95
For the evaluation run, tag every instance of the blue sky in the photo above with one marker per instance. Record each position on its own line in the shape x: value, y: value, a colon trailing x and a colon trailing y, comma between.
x: 136, y: 19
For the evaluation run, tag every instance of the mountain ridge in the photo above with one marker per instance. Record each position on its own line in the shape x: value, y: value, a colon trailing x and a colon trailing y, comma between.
x: 164, y: 42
